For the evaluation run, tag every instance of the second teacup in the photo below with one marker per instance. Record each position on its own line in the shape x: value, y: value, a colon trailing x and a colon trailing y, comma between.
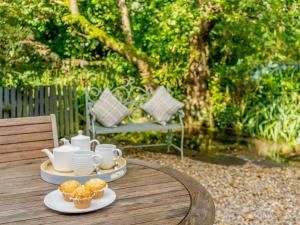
x: 109, y: 154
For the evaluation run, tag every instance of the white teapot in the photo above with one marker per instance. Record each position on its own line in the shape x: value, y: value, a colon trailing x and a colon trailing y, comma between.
x: 83, y: 142
x: 61, y: 158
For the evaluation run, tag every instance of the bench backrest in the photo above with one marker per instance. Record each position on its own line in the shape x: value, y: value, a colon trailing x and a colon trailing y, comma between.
x: 130, y: 95
x: 23, y: 138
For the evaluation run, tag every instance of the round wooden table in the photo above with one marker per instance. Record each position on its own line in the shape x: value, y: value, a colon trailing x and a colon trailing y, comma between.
x: 148, y: 194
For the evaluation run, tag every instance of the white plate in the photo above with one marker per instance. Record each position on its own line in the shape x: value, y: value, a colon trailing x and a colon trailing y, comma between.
x: 54, y: 200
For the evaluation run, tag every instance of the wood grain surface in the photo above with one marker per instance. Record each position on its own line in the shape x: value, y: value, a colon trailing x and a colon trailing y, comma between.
x: 23, y: 138
x: 147, y: 194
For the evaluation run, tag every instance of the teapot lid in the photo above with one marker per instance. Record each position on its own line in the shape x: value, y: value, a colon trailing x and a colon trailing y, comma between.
x: 80, y: 136
x: 66, y: 147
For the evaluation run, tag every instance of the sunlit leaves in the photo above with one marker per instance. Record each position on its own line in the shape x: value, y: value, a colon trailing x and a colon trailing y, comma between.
x: 247, y: 35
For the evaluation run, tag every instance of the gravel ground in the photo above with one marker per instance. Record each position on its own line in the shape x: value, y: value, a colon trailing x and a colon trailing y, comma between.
x: 244, y: 194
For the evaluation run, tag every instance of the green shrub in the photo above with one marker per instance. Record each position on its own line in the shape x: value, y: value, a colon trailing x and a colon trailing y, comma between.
x: 278, y: 121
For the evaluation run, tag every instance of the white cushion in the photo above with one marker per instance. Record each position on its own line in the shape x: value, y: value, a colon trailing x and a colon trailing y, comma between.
x: 162, y: 106
x: 109, y: 111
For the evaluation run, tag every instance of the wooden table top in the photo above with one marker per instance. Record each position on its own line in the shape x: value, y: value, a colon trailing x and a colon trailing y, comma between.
x: 147, y: 194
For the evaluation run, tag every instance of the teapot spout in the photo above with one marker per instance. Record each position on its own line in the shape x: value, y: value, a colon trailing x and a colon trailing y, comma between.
x: 49, y: 154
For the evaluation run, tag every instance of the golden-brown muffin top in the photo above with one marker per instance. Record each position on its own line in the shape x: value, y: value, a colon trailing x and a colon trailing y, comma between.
x: 69, y: 186
x: 82, y: 192
x: 95, y: 184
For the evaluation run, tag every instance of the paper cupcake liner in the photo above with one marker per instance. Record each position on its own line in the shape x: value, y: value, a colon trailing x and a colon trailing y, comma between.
x: 82, y: 203
x: 67, y: 196
x: 99, y: 193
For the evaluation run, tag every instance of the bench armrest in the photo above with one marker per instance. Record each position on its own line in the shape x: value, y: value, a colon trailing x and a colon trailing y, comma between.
x: 181, y: 116
x: 91, y: 118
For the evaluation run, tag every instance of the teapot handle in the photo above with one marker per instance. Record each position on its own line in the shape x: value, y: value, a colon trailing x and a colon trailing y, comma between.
x: 94, y: 141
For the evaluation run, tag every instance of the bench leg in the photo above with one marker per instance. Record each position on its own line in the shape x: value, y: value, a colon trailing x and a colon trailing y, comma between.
x: 91, y: 133
x: 169, y: 140
x: 181, y: 143
x: 94, y: 135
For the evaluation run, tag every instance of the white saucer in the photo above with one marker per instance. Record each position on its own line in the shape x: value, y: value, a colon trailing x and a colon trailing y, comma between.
x: 54, y: 200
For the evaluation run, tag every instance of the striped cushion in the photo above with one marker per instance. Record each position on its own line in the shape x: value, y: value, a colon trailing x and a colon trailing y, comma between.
x: 109, y: 111
x: 162, y: 106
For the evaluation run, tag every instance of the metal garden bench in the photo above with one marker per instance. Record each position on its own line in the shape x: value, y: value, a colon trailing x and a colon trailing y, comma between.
x: 132, y: 97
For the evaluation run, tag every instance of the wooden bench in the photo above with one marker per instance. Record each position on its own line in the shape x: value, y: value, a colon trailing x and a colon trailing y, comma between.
x: 132, y: 97
x: 23, y: 138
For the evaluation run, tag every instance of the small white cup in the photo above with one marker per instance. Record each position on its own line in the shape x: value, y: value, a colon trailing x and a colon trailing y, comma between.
x: 109, y: 154
x: 85, y: 162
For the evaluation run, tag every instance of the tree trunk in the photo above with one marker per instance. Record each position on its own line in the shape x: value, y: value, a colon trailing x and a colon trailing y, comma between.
x: 74, y: 7
x: 126, y: 26
x: 126, y: 22
x: 197, y: 90
x: 128, y: 51
x: 198, y: 74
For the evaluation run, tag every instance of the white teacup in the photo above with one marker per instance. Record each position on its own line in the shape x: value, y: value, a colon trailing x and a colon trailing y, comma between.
x: 85, y: 162
x: 109, y: 154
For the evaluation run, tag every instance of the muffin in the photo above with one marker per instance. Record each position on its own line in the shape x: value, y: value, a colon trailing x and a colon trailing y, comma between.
x: 67, y: 189
x: 82, y: 197
x: 97, y: 186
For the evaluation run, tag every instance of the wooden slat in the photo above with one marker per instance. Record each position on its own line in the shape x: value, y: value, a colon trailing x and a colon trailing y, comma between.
x: 141, y: 201
x: 60, y: 112
x: 36, y: 101
x: 13, y: 102
x: 21, y: 138
x: 52, y: 102
x: 25, y: 104
x: 46, y: 96
x: 55, y: 103
x: 26, y: 146
x: 24, y: 121
x: 36, y: 128
x: 55, y: 110
x: 7, y: 167
x: 135, y: 127
x: 66, y: 111
x: 133, y: 186
x: 42, y: 101
x: 6, y: 102
x: 19, y: 102
x: 30, y: 103
x: 75, y: 108
x: 71, y: 111
x: 112, y: 217
x: 17, y: 156
x: 54, y: 130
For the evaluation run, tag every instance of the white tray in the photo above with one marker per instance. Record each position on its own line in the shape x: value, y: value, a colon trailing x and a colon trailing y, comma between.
x: 54, y: 200
x: 50, y: 175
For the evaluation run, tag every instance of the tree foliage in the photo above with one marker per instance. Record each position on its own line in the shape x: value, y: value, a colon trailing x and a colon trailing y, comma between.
x: 42, y: 44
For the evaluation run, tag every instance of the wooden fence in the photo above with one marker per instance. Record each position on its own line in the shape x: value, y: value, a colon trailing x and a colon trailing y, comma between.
x: 45, y: 100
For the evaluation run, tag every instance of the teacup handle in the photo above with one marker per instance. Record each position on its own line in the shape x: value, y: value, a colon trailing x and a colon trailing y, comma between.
x: 97, y: 160
x: 118, y: 153
x: 95, y: 141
